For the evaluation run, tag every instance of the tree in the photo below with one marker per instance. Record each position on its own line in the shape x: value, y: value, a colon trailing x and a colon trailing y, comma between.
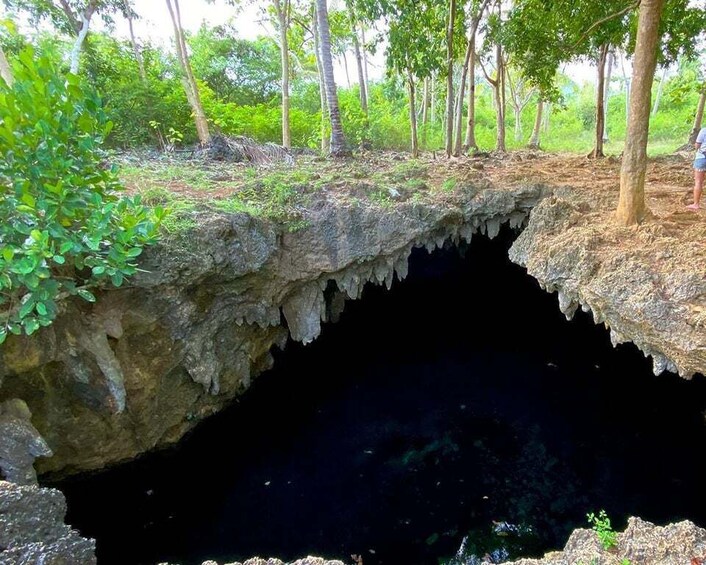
x: 64, y: 229
x: 68, y: 16
x: 325, y: 138
x: 534, y: 138
x: 189, y: 81
x: 338, y: 140
x: 698, y: 117
x: 497, y: 82
x: 631, y: 204
x: 283, y: 9
x: 450, y: 77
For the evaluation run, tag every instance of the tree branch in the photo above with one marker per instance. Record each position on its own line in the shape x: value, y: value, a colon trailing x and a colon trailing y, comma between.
x: 604, y: 20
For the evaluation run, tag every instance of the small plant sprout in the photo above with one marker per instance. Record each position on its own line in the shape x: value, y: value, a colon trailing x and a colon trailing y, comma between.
x: 601, y: 525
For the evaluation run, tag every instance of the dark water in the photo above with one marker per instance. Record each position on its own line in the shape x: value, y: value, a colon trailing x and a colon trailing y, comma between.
x: 459, y: 398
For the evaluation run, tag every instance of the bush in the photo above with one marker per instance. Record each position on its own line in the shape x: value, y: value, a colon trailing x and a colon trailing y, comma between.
x: 63, y: 228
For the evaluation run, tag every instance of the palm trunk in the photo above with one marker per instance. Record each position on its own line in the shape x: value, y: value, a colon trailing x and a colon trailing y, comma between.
x: 413, y: 115
x: 631, y: 204
x: 282, y: 9
x: 5, y: 70
x: 136, y: 51
x: 450, y: 78
x: 338, y: 141
x: 432, y: 87
x: 534, y: 139
x: 325, y: 141
x: 470, y: 142
x: 190, y: 86
x: 461, y: 94
x: 600, y: 113
x: 361, y: 74
x: 698, y: 118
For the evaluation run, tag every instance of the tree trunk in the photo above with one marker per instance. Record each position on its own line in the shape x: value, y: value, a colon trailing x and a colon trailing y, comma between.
x: 282, y: 9
x: 190, y: 86
x: 365, y: 62
x: 534, y: 139
x: 361, y: 73
x: 345, y: 68
x: 631, y: 204
x: 658, y: 98
x: 5, y: 70
x: 547, y: 114
x: 432, y: 87
x: 450, y: 78
x: 499, y: 95
x: 136, y: 51
x: 325, y: 141
x: 413, y: 115
x: 75, y: 56
x: 600, y: 113
x: 338, y: 141
x: 470, y: 142
x: 606, y: 95
x: 698, y: 118
x: 459, y: 102
x: 425, y: 111
x: 518, y: 122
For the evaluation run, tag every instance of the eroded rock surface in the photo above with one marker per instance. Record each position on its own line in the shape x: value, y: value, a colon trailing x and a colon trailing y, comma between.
x: 32, y: 529
x: 642, y: 543
x: 641, y: 282
x: 146, y: 363
x: 20, y: 443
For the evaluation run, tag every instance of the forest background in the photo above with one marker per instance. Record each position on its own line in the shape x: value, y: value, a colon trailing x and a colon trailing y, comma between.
x: 240, y: 83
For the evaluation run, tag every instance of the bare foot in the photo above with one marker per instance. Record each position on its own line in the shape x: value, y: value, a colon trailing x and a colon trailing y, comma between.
x: 693, y: 207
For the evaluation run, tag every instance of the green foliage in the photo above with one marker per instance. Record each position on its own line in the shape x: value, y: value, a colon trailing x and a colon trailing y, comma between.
x: 604, y: 531
x: 63, y: 228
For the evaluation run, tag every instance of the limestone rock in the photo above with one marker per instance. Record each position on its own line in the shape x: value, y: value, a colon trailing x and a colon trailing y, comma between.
x: 32, y: 529
x: 145, y: 363
x: 20, y: 443
x: 641, y: 543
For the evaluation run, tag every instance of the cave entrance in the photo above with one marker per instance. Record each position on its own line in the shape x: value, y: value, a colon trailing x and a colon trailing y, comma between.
x: 455, y: 404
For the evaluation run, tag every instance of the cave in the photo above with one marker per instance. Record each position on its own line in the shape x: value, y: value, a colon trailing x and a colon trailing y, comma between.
x: 459, y: 404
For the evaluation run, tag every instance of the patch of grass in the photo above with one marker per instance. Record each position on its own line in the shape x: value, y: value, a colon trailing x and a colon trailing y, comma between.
x: 449, y: 185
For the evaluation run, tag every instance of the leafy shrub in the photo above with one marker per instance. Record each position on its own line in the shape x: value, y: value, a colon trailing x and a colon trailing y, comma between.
x: 63, y: 228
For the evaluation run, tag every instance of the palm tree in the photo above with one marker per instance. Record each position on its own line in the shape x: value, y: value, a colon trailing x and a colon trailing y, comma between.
x: 338, y: 141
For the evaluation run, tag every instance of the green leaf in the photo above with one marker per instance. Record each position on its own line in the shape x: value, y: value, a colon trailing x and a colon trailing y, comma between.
x: 86, y: 295
x: 98, y: 270
x: 41, y: 309
x: 58, y: 259
x: 8, y: 253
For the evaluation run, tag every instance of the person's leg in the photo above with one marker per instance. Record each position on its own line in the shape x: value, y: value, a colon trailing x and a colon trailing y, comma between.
x: 698, y: 188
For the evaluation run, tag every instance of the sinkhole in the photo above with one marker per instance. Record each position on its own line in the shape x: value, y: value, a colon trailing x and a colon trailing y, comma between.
x: 455, y: 405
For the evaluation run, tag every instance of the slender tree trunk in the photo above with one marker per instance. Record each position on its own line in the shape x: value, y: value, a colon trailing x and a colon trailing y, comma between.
x: 190, y: 86
x: 534, y: 139
x: 413, y: 115
x: 450, y: 78
x: 432, y: 87
x: 361, y: 73
x: 345, y: 68
x: 631, y: 204
x: 626, y: 81
x: 461, y: 94
x: 282, y: 8
x: 325, y: 141
x: 547, y: 115
x: 470, y: 142
x: 698, y: 118
x: 425, y: 111
x: 606, y: 94
x: 660, y: 88
x: 75, y: 56
x: 5, y: 70
x: 136, y: 51
x: 338, y: 141
x: 600, y: 113
x: 365, y: 62
x: 499, y: 95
